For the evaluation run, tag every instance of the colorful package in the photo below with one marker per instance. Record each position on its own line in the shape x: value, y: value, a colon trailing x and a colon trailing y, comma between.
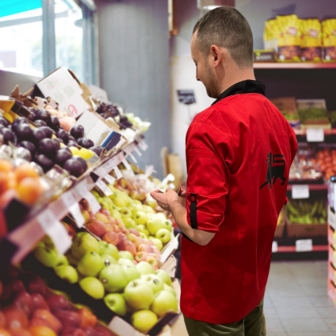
x: 271, y: 34
x: 329, y: 40
x: 311, y: 40
x: 289, y: 38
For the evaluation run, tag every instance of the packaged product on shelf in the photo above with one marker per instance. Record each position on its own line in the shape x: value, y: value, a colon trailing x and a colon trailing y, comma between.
x: 289, y: 38
x: 326, y: 159
x: 280, y: 225
x: 311, y: 40
x: 287, y: 106
x: 329, y: 40
x: 271, y: 34
x: 313, y: 113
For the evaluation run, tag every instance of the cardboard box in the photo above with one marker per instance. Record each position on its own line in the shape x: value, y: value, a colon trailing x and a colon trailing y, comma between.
x: 306, y: 230
x: 61, y: 86
x: 285, y: 104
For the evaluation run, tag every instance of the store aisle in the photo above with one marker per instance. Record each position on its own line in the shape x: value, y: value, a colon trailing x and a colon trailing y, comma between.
x: 296, y: 300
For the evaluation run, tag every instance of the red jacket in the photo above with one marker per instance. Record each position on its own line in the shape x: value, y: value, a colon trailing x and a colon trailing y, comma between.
x: 238, y: 152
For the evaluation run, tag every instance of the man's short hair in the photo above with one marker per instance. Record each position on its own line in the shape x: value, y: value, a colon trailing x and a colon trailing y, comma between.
x: 226, y: 27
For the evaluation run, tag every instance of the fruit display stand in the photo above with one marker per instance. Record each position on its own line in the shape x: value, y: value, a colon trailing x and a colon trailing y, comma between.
x: 303, y: 81
x: 83, y: 232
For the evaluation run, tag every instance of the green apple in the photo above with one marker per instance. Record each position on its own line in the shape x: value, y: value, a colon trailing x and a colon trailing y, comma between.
x: 114, y: 207
x: 126, y: 255
x: 167, y: 225
x: 46, y: 256
x: 164, y: 276
x: 95, y: 194
x: 129, y: 223
x: 106, y: 248
x: 93, y: 287
x: 154, y: 224
x: 72, y: 260
x: 142, y: 229
x: 143, y: 235
x: 169, y: 289
x: 131, y: 272
x: 115, y: 214
x: 140, y: 217
x: 90, y: 264
x: 161, y: 215
x: 118, y: 200
x: 154, y: 281
x: 108, y: 201
x: 62, y: 260
x: 67, y: 273
x: 125, y: 262
x: 143, y: 320
x: 148, y: 209
x: 145, y: 268
x: 79, y: 235
x: 116, y: 303
x: 139, y: 294
x: 109, y: 260
x: 125, y: 213
x: 137, y: 208
x: 157, y: 242
x: 113, y: 278
x: 151, y: 202
x: 163, y: 302
x: 48, y: 242
x: 163, y: 235
x: 83, y: 244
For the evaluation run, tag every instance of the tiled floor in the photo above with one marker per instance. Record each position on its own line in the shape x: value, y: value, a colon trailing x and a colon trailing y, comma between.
x: 296, y: 300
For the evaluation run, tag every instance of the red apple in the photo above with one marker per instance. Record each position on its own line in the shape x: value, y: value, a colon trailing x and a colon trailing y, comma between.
x: 133, y: 238
x: 88, y: 318
x: 115, y: 228
x: 85, y: 204
x: 112, y: 220
x: 87, y: 216
x: 153, y: 262
x: 58, y: 302
x: 120, y: 223
x: 124, y: 231
x: 70, y: 229
x: 44, y: 317
x: 135, y: 232
x: 19, y: 332
x: 105, y: 212
x: 35, y: 284
x: 97, y: 227
x: 108, y: 227
x: 89, y: 331
x: 16, y: 286
x: 102, y: 332
x: 149, y: 242
x: 141, y: 256
x: 127, y: 245
x: 145, y: 248
x: 111, y: 238
x: 15, y: 318
x: 154, y: 255
x: 121, y: 237
x: 69, y: 319
x: 73, y: 332
x: 2, y: 320
x: 23, y: 301
x: 39, y: 302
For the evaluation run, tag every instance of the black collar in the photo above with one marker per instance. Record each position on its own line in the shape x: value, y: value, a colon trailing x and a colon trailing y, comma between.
x: 247, y: 86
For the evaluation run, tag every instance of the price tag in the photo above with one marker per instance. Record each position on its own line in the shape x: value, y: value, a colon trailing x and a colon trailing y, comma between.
x: 118, y: 173
x: 104, y: 188
x: 136, y: 150
x: 133, y: 158
x: 94, y: 205
x: 315, y: 135
x: 127, y: 165
x: 300, y: 191
x: 110, y: 179
x: 143, y: 145
x: 73, y: 208
x: 274, y: 247
x: 108, y: 166
x: 304, y: 245
x: 55, y: 230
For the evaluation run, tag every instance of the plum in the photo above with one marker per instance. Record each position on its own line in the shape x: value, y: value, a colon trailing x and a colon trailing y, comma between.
x: 64, y: 135
x: 38, y: 135
x: 39, y: 123
x: 81, y: 160
x: 46, y: 147
x: 32, y: 116
x: 74, y: 167
x: 24, y: 132
x: 54, y: 123
x: 48, y: 131
x: 77, y: 131
x: 43, y: 114
x: 8, y: 135
x: 4, y: 122
x: 62, y: 155
x: 44, y: 162
x: 71, y: 137
x: 28, y: 145
x: 96, y: 149
x: 17, y: 122
x: 72, y: 143
x: 85, y: 142
x: 56, y: 144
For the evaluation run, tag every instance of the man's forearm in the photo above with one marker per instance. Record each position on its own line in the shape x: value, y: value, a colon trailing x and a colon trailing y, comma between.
x: 180, y: 215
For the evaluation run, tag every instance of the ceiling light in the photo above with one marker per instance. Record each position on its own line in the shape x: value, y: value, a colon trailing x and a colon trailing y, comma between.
x: 212, y: 4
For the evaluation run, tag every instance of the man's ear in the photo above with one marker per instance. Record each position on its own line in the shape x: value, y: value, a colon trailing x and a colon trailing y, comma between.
x: 216, y: 55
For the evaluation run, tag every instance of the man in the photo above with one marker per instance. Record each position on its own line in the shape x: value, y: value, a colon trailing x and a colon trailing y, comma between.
x: 238, y: 153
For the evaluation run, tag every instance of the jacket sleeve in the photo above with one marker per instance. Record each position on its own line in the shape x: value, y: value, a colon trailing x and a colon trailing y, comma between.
x: 208, y: 178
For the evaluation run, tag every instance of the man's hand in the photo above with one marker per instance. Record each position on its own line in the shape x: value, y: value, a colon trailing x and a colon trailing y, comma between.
x: 165, y: 200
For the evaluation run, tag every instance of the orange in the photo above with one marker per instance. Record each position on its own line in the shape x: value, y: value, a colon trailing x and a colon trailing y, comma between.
x: 29, y: 190
x: 23, y: 171
x: 4, y: 185
x: 6, y: 166
x: 41, y: 331
x: 4, y: 332
x: 11, y: 180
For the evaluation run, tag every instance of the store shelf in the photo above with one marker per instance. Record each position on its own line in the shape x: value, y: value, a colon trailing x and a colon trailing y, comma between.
x: 303, y: 132
x: 276, y: 65
x: 311, y: 186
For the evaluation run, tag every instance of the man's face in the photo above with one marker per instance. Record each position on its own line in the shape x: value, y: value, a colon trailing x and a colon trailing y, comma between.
x: 204, y: 72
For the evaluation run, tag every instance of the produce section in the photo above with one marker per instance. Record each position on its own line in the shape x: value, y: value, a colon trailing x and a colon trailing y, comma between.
x: 89, y: 234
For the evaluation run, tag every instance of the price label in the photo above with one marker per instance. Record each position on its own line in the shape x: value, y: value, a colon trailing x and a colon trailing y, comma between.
x: 304, y: 245
x: 55, y: 230
x: 143, y: 145
x: 133, y: 158
x: 136, y: 150
x: 73, y: 207
x: 274, y: 247
x: 110, y: 179
x: 94, y: 205
x: 104, y: 188
x: 118, y: 173
x: 300, y: 191
x: 315, y: 135
x: 108, y: 166
x: 127, y: 165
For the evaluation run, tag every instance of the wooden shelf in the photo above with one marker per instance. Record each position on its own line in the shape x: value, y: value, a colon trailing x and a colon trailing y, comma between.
x: 279, y: 65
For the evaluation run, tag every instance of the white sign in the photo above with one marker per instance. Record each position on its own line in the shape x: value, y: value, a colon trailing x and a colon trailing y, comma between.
x: 274, y: 247
x: 118, y: 173
x: 304, y: 245
x: 127, y: 166
x: 110, y: 179
x: 73, y: 208
x: 133, y: 158
x: 136, y: 150
x: 104, y: 188
x: 83, y: 192
x: 143, y: 145
x: 315, y: 135
x: 300, y: 191
x: 55, y: 230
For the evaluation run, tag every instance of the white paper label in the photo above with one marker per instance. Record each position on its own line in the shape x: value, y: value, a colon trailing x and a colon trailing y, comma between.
x: 110, y: 179
x: 127, y: 165
x: 304, y: 245
x: 118, y: 173
x: 94, y: 205
x: 104, y: 188
x: 133, y: 158
x: 55, y: 230
x: 143, y: 145
x: 274, y: 247
x: 315, y: 135
x: 300, y: 191
x: 73, y: 207
x: 136, y: 150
